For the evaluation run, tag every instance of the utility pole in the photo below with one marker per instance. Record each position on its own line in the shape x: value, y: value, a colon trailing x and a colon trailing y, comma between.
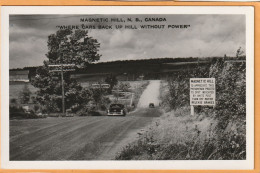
x: 62, y: 90
x: 62, y: 68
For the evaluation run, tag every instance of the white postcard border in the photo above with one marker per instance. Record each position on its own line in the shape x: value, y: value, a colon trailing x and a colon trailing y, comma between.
x: 126, y: 165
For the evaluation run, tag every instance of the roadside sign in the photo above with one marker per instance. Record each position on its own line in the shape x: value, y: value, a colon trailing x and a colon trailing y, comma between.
x: 96, y: 86
x: 61, y: 67
x: 105, y: 86
x: 202, y: 91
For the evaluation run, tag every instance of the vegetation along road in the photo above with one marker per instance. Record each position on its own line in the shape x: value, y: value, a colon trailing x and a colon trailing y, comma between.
x: 80, y: 138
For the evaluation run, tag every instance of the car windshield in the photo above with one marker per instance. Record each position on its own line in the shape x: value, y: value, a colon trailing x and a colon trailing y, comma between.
x: 116, y: 106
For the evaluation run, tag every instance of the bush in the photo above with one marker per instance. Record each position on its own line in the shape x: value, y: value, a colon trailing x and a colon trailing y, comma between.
x: 231, y: 91
x: 36, y: 108
x: 130, y: 108
x: 18, y: 112
x: 13, y: 101
x: 24, y: 95
x: 144, y: 147
x: 179, y: 87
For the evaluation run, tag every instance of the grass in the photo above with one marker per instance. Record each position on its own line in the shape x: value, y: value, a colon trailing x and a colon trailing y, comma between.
x: 179, y: 136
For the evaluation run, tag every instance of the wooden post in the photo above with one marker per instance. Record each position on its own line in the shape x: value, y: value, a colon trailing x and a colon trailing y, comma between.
x: 62, y: 89
x: 192, y: 110
x: 132, y: 96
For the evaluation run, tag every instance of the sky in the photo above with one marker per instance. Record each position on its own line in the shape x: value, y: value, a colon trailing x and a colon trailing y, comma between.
x: 205, y: 35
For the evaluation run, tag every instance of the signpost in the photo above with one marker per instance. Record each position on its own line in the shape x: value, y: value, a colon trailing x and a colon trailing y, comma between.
x: 202, y: 92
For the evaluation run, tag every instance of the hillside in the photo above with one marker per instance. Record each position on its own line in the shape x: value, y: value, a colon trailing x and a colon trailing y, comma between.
x: 158, y: 68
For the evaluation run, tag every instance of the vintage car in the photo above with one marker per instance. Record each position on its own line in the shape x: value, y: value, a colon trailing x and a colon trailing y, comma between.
x: 116, y: 109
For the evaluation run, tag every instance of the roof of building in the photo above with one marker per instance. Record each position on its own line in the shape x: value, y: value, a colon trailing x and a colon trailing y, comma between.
x: 19, y: 72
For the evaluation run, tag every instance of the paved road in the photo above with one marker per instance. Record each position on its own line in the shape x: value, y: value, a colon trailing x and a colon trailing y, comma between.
x: 76, y: 138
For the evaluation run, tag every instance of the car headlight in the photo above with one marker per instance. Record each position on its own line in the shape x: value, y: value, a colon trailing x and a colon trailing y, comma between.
x: 122, y: 111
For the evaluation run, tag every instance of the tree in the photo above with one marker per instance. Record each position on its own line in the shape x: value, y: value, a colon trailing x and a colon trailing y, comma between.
x: 13, y: 101
x: 65, y: 47
x: 24, y: 95
x: 72, y: 47
x: 125, y: 87
x: 239, y: 52
x: 112, y: 81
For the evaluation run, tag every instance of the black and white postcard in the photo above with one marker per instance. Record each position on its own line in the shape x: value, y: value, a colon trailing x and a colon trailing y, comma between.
x: 127, y: 87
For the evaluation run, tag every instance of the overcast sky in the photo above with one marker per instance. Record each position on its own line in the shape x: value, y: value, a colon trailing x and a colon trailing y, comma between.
x: 208, y: 35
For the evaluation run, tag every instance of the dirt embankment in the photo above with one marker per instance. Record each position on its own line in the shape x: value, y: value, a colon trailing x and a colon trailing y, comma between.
x: 169, y: 137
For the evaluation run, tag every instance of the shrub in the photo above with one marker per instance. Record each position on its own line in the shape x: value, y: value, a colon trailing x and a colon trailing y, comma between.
x: 16, y: 112
x: 13, y: 101
x: 179, y: 86
x: 36, y: 108
x: 24, y: 95
x: 231, y: 91
x: 144, y: 146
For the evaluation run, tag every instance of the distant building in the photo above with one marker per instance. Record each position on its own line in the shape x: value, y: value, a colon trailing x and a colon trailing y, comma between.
x: 19, y: 76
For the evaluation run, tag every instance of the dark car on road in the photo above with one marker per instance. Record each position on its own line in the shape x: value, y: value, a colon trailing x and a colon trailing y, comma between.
x: 116, y: 109
x: 151, y: 105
